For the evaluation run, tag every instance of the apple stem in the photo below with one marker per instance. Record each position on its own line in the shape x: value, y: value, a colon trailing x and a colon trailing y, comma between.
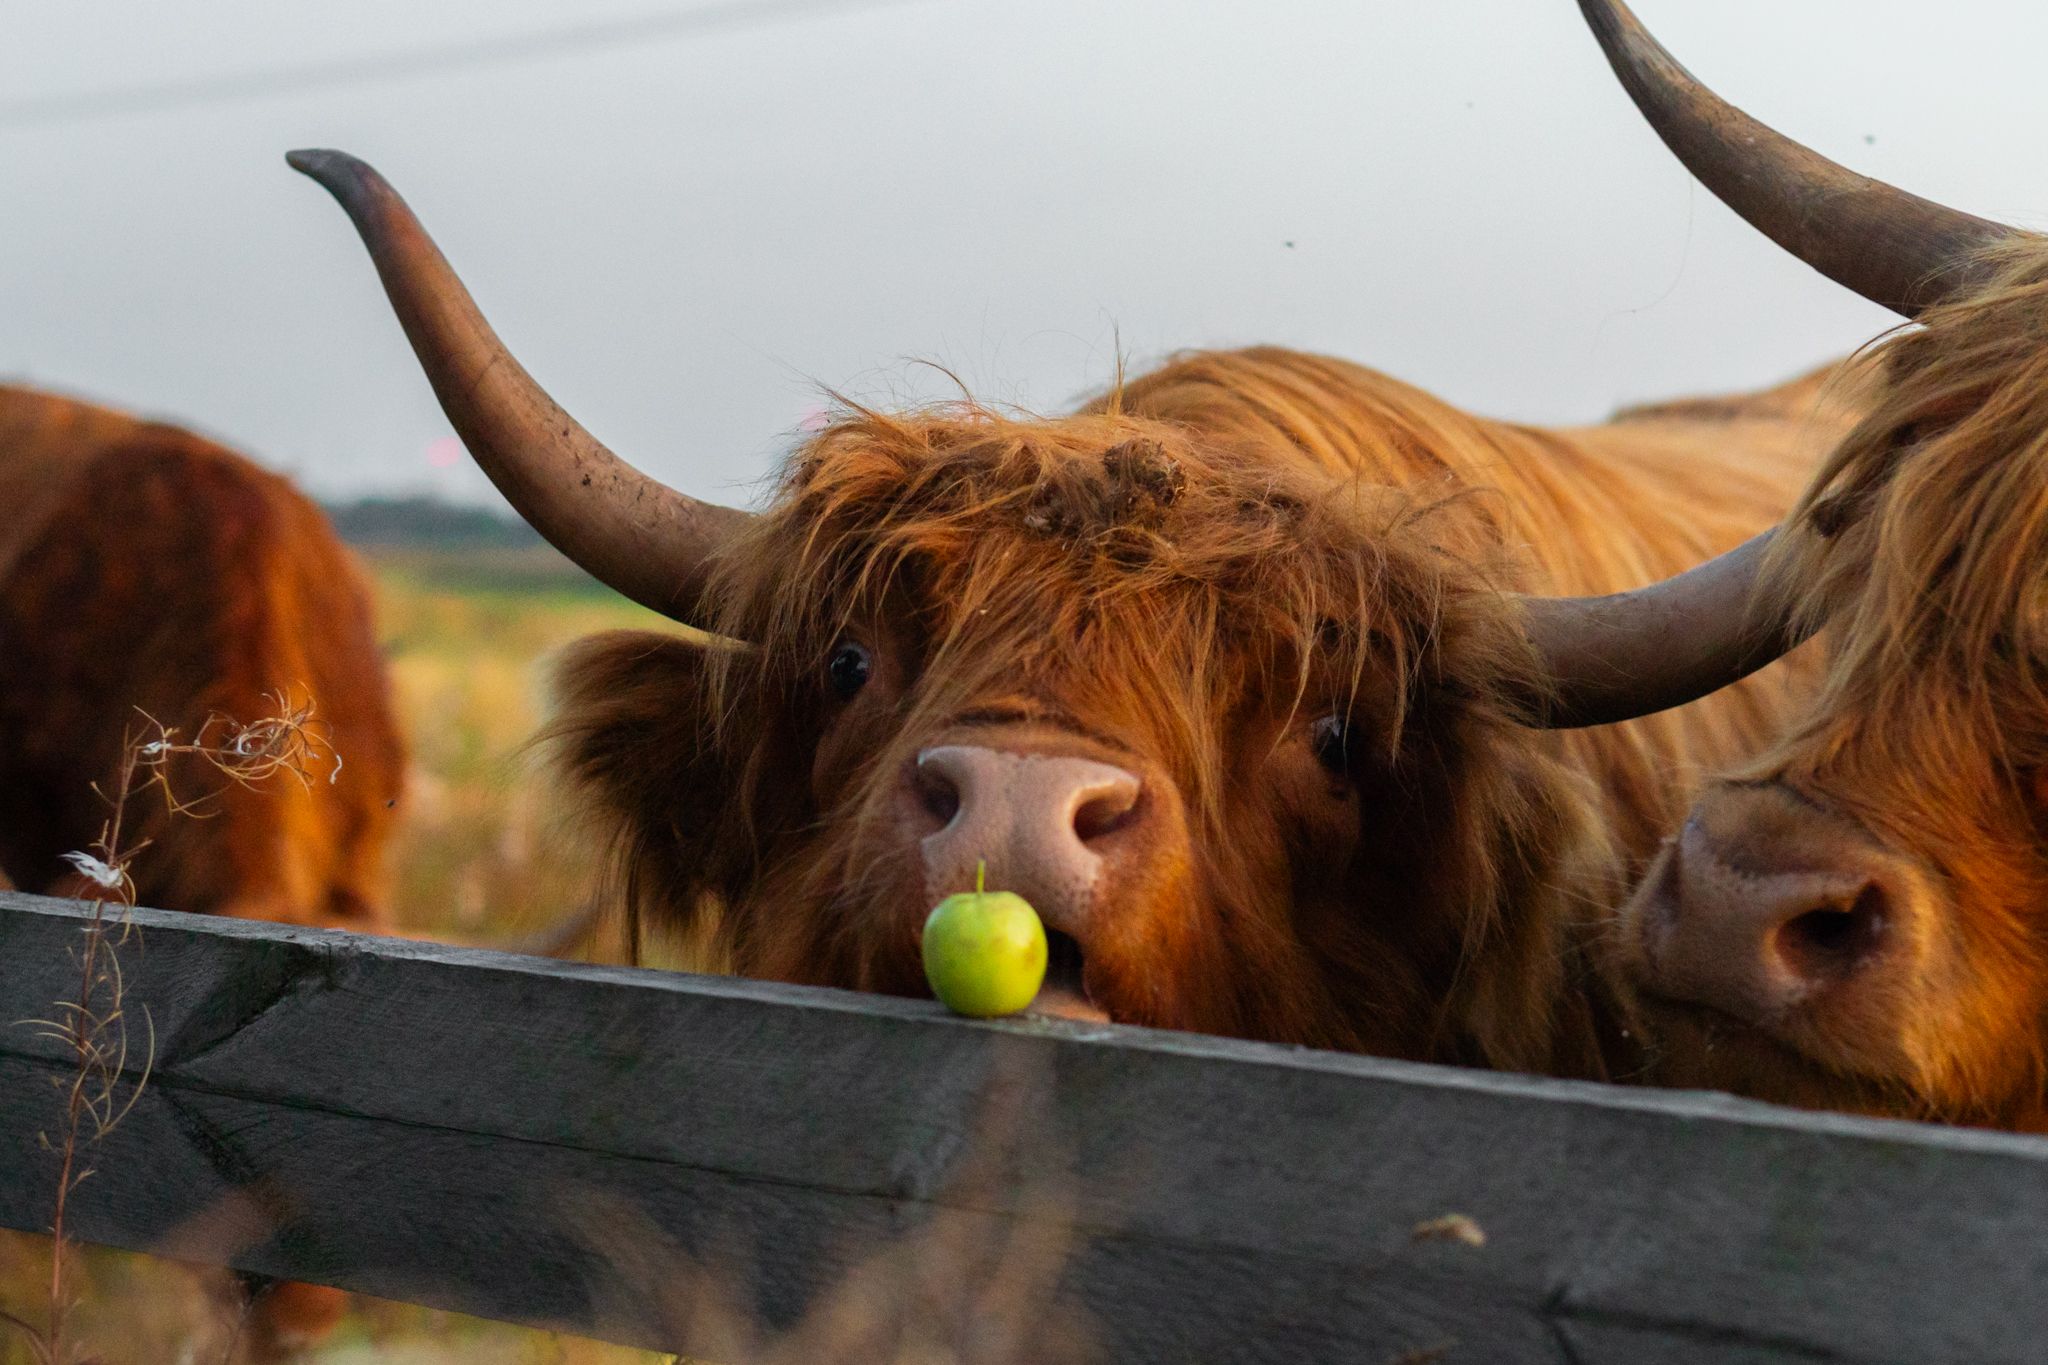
x: 980, y: 874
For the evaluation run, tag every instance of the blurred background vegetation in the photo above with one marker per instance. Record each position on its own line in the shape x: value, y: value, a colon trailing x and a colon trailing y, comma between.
x: 471, y: 606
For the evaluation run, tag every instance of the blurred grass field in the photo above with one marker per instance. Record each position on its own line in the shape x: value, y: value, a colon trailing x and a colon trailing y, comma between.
x: 482, y: 856
x: 483, y: 852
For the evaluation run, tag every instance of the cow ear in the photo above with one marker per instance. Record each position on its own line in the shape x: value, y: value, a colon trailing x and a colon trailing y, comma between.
x: 634, y: 732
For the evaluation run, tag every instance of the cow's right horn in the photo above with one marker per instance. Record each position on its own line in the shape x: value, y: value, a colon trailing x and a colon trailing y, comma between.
x: 630, y: 531
x: 1891, y: 247
x: 1632, y: 653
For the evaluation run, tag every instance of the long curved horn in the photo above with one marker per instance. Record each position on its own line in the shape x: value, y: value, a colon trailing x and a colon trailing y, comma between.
x: 1631, y: 653
x: 629, y: 531
x: 1891, y: 247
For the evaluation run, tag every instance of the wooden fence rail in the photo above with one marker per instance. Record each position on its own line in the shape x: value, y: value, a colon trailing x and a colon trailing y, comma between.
x: 652, y: 1157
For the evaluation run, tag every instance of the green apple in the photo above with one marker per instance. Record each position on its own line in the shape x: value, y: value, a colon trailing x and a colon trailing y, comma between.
x: 984, y: 951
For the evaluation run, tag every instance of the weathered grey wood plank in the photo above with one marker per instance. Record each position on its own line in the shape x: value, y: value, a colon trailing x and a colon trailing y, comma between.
x: 590, y: 1147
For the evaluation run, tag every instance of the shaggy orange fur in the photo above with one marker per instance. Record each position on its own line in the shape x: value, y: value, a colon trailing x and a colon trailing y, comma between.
x: 144, y: 567
x: 1924, y: 545
x: 1195, y: 569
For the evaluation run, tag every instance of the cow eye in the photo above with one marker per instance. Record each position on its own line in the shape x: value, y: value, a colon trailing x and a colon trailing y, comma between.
x: 1330, y: 737
x: 848, y: 670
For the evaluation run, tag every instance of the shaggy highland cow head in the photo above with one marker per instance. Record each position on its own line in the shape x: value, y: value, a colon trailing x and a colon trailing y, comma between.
x: 1859, y: 918
x: 1237, y: 737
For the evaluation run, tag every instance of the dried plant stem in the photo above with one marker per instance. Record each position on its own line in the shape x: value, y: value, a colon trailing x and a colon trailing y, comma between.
x: 93, y: 1025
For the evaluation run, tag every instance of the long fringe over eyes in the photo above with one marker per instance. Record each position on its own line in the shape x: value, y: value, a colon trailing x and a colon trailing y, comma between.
x: 1924, y: 540
x: 1184, y: 575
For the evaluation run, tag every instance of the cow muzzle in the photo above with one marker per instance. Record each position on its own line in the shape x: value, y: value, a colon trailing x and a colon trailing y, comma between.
x: 1787, y: 917
x: 1054, y: 828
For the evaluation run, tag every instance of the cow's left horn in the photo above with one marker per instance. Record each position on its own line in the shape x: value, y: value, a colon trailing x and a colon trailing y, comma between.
x: 630, y: 531
x: 1891, y: 247
x: 1631, y: 653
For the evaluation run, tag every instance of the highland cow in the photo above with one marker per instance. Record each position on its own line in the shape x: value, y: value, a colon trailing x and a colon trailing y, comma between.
x: 1854, y: 918
x: 1249, y: 674
x: 148, y: 574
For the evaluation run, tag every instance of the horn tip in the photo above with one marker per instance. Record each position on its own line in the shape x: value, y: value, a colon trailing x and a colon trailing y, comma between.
x: 315, y: 160
x: 338, y: 171
x: 1630, y: 47
x: 351, y: 180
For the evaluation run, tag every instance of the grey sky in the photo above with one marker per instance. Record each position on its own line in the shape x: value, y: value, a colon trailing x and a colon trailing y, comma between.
x: 685, y: 234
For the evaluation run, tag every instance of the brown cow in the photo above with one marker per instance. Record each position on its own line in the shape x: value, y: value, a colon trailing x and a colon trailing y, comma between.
x: 1225, y: 672
x: 144, y: 569
x: 1859, y: 917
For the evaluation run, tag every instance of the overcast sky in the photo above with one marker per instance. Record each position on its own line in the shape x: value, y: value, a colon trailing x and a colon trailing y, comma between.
x: 687, y: 217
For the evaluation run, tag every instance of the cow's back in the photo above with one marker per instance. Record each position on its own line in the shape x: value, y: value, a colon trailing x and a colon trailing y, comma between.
x: 1554, y: 510
x: 46, y: 443
x: 160, y: 573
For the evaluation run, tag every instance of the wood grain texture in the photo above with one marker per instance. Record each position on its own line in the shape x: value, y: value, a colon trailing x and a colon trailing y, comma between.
x: 652, y: 1157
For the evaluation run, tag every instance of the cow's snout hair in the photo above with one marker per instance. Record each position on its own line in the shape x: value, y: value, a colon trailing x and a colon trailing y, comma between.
x: 1044, y: 825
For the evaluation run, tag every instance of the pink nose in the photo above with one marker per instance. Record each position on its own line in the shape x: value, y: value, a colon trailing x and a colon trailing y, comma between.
x: 1758, y: 924
x: 1042, y: 822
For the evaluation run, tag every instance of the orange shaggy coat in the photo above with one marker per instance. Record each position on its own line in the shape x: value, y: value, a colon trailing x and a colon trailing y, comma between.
x: 144, y: 569
x: 1924, y: 546
x: 1567, y: 511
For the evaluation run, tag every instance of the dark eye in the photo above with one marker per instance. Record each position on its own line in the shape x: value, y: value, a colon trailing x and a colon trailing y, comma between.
x: 1330, y: 737
x: 848, y: 670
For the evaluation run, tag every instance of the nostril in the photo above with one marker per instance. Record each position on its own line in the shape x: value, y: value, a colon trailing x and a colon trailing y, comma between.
x: 938, y: 792
x: 1830, y: 941
x: 1104, y: 813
